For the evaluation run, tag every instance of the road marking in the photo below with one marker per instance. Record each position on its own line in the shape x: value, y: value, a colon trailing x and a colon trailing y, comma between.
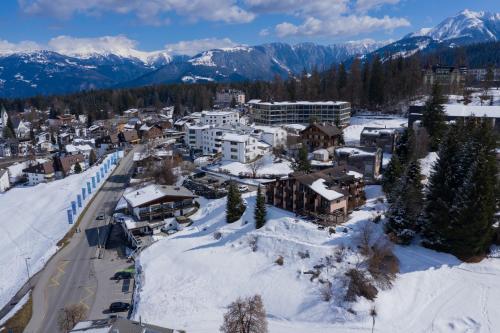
x: 60, y: 272
x: 90, y: 293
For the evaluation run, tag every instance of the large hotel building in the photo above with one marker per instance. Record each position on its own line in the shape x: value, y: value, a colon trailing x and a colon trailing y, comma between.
x: 279, y: 113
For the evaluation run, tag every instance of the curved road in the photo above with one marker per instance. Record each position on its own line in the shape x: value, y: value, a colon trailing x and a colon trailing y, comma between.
x: 75, y: 274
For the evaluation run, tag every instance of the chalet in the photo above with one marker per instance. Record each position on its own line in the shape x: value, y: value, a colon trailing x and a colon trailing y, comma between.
x: 366, y: 159
x: 151, y: 132
x: 4, y: 180
x: 65, y: 165
x: 385, y: 138
x: 159, y: 202
x: 145, y: 159
x: 321, y: 135
x: 331, y: 192
x: 117, y: 325
x: 40, y: 173
x: 131, y: 136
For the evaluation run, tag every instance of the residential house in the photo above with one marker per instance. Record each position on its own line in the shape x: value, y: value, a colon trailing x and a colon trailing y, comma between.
x: 118, y: 325
x: 22, y: 129
x: 65, y: 165
x: 385, y: 138
x: 366, y: 159
x: 4, y: 180
x: 151, y: 132
x: 331, y: 192
x: 321, y: 135
x: 218, y: 118
x: 41, y: 172
x: 4, y: 118
x: 154, y: 202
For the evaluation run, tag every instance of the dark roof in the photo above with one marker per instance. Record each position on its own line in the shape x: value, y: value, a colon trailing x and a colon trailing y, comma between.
x: 43, y: 168
x: 120, y: 325
x: 130, y: 135
x: 66, y: 162
x: 327, y: 128
x: 335, y: 174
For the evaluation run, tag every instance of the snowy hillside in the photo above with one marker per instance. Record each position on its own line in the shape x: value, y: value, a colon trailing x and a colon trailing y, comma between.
x: 33, y: 220
x: 187, y: 280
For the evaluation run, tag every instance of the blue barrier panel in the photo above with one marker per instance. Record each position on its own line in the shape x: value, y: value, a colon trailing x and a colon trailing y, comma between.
x: 70, y: 216
x: 83, y: 193
x: 93, y: 182
x: 98, y: 177
x: 89, y: 190
x: 79, y: 200
x: 73, y: 207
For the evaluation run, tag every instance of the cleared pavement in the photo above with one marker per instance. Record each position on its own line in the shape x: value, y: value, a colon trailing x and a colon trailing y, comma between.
x: 76, y: 275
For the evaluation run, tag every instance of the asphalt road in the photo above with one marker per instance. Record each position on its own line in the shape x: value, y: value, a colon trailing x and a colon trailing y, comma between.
x: 77, y: 274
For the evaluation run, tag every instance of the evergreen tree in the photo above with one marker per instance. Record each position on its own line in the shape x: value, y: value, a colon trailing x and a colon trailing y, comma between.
x: 376, y: 87
x: 460, y: 201
x: 260, y: 209
x: 392, y: 173
x: 235, y: 206
x: 433, y: 117
x: 406, y: 206
x: 302, y: 163
x: 78, y: 168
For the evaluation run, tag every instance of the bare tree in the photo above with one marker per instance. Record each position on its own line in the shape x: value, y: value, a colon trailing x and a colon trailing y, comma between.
x: 70, y: 316
x: 245, y: 316
x: 256, y: 165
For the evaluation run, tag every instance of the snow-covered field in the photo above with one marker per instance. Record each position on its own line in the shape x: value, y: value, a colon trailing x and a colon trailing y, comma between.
x: 353, y: 131
x: 269, y: 167
x: 188, y: 279
x: 33, y: 220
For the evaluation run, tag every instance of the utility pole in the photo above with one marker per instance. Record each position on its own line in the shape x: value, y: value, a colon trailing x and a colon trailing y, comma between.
x: 27, y: 269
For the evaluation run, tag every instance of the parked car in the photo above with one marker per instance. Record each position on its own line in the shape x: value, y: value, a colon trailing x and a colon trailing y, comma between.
x: 242, y: 188
x: 121, y: 276
x: 119, y: 307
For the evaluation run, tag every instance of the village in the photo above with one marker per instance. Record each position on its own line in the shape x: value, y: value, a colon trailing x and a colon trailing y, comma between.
x: 319, y: 162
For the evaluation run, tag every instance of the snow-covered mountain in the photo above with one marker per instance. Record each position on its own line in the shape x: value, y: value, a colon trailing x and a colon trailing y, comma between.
x: 74, y: 69
x: 467, y: 27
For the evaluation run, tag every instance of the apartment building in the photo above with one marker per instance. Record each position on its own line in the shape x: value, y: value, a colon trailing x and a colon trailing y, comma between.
x: 239, y: 147
x: 331, y: 192
x: 227, y: 96
x: 224, y: 117
x: 281, y: 113
x: 450, y: 78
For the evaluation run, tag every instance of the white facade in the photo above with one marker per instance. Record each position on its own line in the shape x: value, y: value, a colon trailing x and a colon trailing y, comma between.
x: 239, y: 147
x: 227, y: 96
x: 274, y: 136
x: 194, y: 135
x: 220, y: 118
x: 212, y: 140
x: 4, y: 180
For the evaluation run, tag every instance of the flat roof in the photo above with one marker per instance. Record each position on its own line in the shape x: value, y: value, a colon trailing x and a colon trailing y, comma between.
x: 302, y: 103
x: 460, y: 110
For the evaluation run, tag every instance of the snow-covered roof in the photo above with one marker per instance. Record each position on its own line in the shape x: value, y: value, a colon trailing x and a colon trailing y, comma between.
x: 320, y: 187
x: 234, y: 137
x: 378, y: 130
x: 218, y: 113
x: 154, y: 192
x: 355, y: 174
x: 298, y: 127
x: 460, y: 110
x: 353, y: 151
x: 321, y: 151
x: 269, y: 129
x: 302, y: 103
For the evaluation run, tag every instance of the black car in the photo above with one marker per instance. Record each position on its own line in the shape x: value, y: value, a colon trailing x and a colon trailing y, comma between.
x: 121, y: 275
x: 119, y: 307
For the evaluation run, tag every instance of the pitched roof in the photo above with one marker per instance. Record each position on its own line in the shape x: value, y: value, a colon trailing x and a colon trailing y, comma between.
x: 117, y: 324
x: 66, y: 162
x: 154, y: 192
x: 327, y: 128
x: 42, y: 168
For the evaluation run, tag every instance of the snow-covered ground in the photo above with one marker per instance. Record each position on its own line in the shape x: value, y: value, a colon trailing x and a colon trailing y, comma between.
x: 269, y: 167
x: 33, y: 219
x: 188, y: 279
x: 353, y: 131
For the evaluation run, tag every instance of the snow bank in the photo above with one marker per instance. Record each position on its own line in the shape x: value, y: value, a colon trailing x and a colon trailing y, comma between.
x: 188, y: 279
x: 269, y: 167
x: 33, y: 220
x: 353, y: 131
x: 427, y: 164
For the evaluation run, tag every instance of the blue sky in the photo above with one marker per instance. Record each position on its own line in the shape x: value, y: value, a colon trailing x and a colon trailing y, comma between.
x: 182, y: 26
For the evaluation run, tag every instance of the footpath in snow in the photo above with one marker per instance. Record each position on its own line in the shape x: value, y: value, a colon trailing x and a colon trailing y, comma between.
x: 33, y: 220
